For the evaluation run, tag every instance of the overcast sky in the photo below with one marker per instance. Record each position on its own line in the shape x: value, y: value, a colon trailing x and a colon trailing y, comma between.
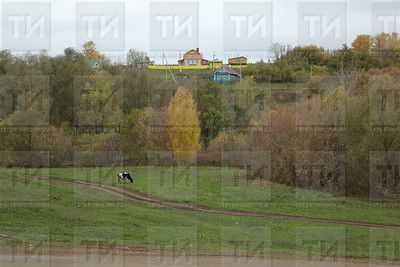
x: 137, y: 21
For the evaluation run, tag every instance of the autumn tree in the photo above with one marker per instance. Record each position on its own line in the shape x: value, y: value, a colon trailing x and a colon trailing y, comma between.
x: 386, y: 41
x: 387, y: 47
x: 184, y: 127
x: 139, y: 137
x: 72, y: 55
x: 90, y: 51
x: 394, y: 41
x: 98, y: 104
x: 56, y: 142
x: 362, y: 43
x: 28, y: 100
x: 380, y: 41
x: 6, y: 135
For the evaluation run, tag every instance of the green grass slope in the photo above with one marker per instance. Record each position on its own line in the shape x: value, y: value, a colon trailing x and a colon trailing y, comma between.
x: 227, y: 189
x: 65, y: 214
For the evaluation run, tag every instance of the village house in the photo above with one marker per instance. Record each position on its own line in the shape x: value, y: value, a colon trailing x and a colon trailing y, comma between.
x: 216, y: 64
x: 225, y: 75
x: 237, y: 61
x: 93, y: 64
x: 193, y: 58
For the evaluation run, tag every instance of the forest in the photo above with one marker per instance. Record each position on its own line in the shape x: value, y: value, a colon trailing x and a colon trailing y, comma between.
x: 309, y: 107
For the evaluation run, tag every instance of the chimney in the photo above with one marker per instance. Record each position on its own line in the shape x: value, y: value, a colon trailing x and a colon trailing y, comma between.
x: 197, y: 49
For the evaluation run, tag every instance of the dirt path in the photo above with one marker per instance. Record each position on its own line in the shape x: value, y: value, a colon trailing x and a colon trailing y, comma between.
x: 74, y: 256
x: 93, y: 260
x: 134, y: 195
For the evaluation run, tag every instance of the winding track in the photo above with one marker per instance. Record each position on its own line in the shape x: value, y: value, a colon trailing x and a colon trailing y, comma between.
x: 139, y: 196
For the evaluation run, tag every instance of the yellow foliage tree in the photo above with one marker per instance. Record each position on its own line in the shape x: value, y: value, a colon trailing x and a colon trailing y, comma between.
x: 380, y: 41
x: 362, y: 43
x: 184, y: 127
x: 394, y: 41
x: 90, y: 51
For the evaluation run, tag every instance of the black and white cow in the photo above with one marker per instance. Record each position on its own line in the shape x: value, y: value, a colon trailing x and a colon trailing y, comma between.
x: 124, y: 176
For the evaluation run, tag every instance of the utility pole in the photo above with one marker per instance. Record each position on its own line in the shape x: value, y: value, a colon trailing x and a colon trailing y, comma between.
x: 180, y: 58
x: 240, y: 67
x: 213, y: 61
x: 166, y: 67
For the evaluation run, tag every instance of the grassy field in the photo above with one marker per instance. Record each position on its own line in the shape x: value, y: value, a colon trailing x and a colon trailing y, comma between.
x: 66, y: 214
x: 228, y: 189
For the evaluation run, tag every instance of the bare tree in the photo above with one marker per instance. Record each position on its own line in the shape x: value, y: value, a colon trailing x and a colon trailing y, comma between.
x: 136, y: 58
x: 279, y: 50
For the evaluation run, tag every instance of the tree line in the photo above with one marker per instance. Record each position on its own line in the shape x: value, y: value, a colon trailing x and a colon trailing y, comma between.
x: 300, y: 63
x: 336, y: 118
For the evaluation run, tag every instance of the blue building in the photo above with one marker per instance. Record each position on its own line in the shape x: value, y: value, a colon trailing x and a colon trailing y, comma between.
x: 225, y: 75
x: 93, y: 64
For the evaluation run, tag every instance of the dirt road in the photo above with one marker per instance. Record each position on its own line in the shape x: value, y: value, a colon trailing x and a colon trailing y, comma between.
x: 139, y: 196
x: 93, y: 260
